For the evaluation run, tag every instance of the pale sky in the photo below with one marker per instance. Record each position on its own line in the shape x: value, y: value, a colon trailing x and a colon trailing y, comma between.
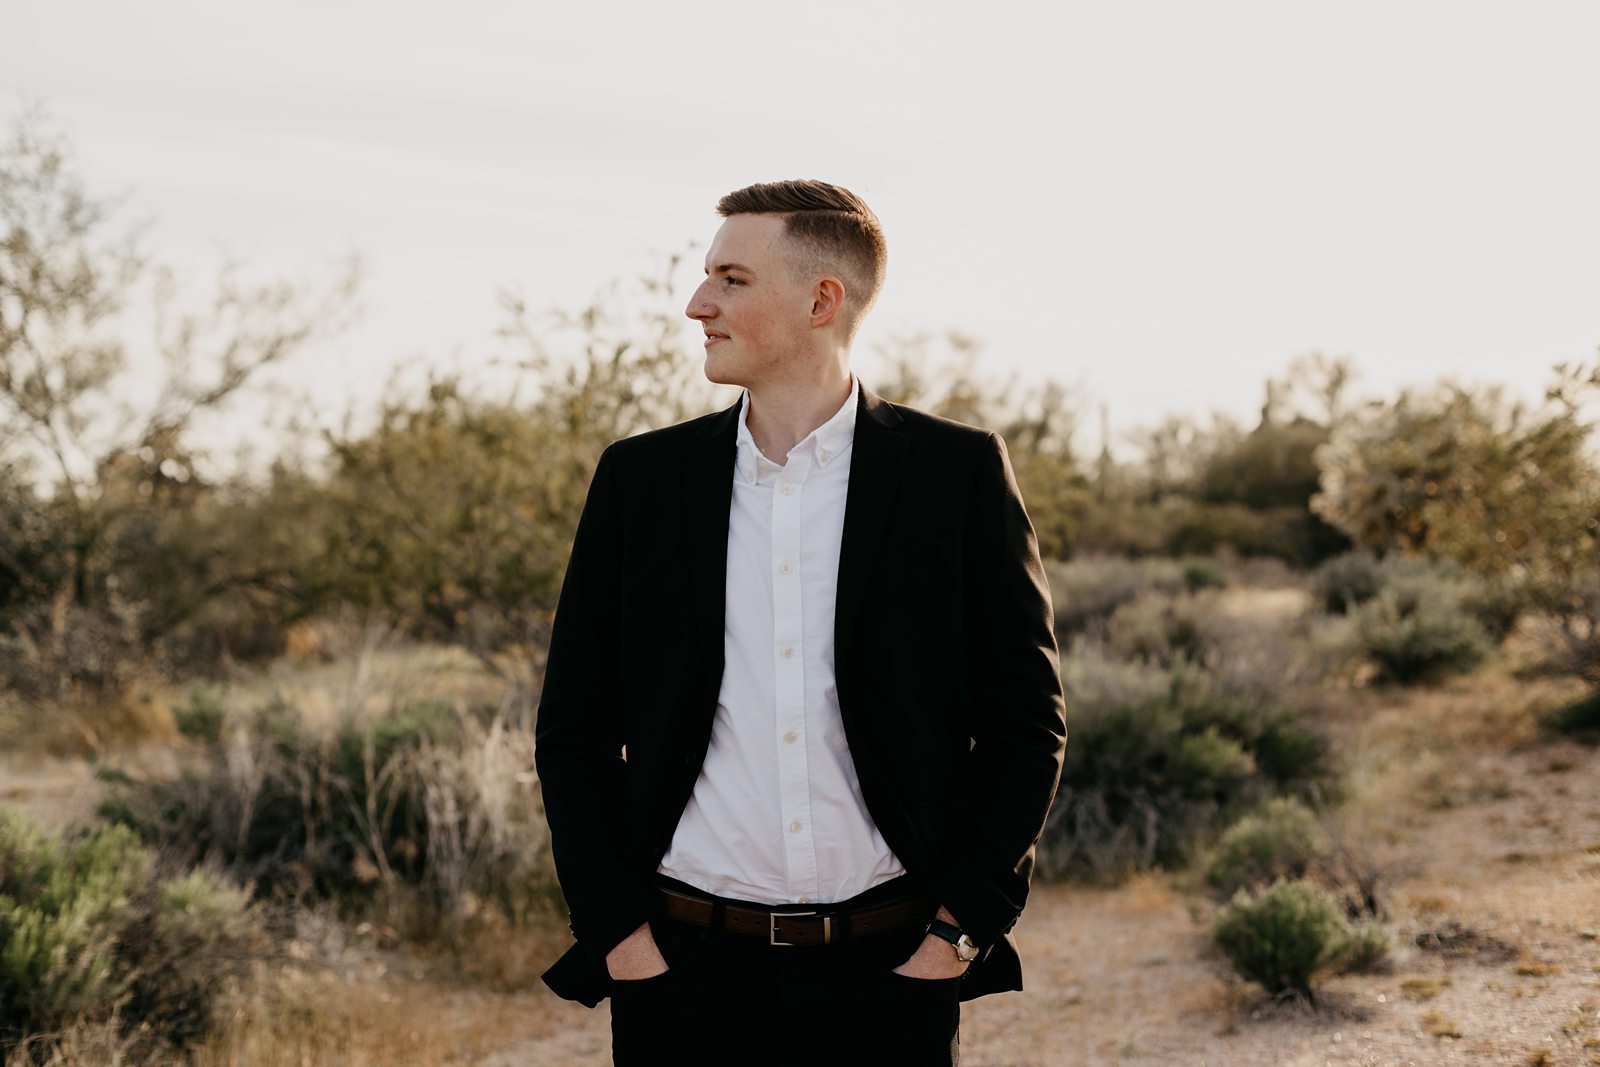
x: 1162, y: 203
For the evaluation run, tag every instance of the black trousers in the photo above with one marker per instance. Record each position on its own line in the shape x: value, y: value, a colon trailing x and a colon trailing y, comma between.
x: 732, y: 1000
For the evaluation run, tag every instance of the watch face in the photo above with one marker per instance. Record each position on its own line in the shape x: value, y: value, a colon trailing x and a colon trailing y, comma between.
x: 966, y: 949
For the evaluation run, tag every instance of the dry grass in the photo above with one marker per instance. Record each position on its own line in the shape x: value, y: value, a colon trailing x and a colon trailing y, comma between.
x: 1424, y: 988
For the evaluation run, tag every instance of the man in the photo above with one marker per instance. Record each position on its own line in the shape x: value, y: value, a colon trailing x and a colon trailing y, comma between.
x: 802, y: 717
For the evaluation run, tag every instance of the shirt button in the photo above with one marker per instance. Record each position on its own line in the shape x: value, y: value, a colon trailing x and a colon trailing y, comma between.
x: 805, y: 900
x: 787, y: 488
x: 784, y: 567
x: 790, y: 738
x: 788, y: 651
x: 794, y: 827
x: 825, y: 455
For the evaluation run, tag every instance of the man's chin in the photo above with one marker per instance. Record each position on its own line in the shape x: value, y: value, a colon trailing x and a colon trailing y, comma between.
x: 720, y: 376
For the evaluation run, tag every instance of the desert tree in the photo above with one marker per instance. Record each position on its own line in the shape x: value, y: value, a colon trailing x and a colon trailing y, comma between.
x: 107, y: 364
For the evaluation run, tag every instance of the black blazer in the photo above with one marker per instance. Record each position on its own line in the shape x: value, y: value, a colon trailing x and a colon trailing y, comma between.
x: 945, y: 661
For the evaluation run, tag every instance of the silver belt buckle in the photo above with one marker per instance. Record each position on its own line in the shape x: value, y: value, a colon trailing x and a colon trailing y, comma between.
x: 772, y: 927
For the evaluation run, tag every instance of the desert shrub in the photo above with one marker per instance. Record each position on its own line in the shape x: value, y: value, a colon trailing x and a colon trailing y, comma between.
x: 1287, y: 934
x: 1203, y: 528
x: 1496, y: 603
x: 1346, y: 581
x: 421, y: 809
x: 1159, y: 628
x: 1416, y: 628
x: 202, y: 716
x: 1117, y: 526
x: 1267, y: 648
x: 1200, y: 573
x: 92, y: 928
x: 1579, y: 719
x: 1160, y: 759
x: 1086, y: 591
x: 1282, y: 840
x: 1366, y: 949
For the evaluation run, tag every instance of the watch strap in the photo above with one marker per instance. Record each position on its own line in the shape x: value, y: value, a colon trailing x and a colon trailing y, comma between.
x: 952, y: 933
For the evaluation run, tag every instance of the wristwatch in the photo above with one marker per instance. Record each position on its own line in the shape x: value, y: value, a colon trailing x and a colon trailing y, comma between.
x: 966, y: 948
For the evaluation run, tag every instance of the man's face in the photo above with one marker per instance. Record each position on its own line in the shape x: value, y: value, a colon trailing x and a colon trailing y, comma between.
x: 755, y: 313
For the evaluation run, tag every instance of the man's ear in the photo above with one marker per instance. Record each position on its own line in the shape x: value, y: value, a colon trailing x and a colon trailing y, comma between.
x: 827, y: 301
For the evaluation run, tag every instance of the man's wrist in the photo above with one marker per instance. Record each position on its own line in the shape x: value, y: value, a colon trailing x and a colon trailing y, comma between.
x: 946, y: 928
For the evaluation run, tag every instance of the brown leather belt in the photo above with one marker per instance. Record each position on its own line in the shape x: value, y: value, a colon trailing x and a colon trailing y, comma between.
x: 782, y: 924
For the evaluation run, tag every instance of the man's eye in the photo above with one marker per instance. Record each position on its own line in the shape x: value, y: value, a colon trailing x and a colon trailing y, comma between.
x: 733, y: 281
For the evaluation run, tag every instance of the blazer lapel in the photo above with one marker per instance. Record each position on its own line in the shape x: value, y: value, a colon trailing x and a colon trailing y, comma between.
x: 708, y: 499
x: 877, y: 455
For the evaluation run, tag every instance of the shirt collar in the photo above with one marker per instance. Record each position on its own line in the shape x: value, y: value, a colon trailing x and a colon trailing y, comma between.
x: 823, y: 445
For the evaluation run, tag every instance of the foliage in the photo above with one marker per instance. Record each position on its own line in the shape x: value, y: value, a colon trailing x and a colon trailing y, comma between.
x: 1203, y: 574
x: 1160, y: 759
x: 1160, y: 628
x: 1417, y: 628
x: 1346, y: 581
x: 202, y: 717
x: 1287, y: 934
x: 424, y: 808
x: 96, y: 564
x: 1349, y: 581
x: 1282, y: 840
x: 1088, y: 590
x: 1366, y: 949
x: 1466, y: 476
x: 90, y: 928
x: 1580, y: 719
x: 1272, y: 466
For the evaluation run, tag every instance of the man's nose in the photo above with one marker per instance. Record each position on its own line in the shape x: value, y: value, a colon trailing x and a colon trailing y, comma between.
x: 699, y: 307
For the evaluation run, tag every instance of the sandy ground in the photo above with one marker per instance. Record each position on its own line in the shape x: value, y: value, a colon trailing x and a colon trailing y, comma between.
x: 1503, y: 890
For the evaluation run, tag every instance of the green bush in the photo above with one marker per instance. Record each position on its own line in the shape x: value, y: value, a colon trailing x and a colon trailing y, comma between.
x: 1282, y: 840
x: 1366, y: 949
x: 1199, y: 528
x: 1162, y: 758
x: 1349, y: 581
x: 90, y: 929
x: 1287, y: 934
x: 1202, y: 573
x: 1346, y: 581
x: 1416, y: 628
x: 202, y: 717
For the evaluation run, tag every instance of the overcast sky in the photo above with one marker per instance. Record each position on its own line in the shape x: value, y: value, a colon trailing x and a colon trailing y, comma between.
x: 1161, y: 203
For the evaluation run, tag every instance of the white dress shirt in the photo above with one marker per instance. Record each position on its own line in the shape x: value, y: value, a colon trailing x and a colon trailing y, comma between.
x: 776, y: 815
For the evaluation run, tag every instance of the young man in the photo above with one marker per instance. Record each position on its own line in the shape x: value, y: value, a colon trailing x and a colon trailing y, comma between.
x: 802, y: 718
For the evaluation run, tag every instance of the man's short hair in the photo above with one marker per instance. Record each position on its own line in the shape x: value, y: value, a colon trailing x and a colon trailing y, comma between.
x: 832, y: 229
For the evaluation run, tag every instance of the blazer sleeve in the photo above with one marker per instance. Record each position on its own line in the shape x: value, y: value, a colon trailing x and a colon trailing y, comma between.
x: 1015, y: 705
x: 578, y: 736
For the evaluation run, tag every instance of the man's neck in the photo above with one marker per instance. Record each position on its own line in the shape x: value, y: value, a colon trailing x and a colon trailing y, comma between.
x: 781, y: 415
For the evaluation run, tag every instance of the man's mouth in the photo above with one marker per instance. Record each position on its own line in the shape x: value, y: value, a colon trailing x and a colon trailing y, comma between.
x: 712, y: 337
